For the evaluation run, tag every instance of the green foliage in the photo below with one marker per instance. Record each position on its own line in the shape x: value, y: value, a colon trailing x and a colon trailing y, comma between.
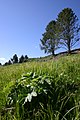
x: 25, y: 58
x: 46, y: 91
x: 62, y: 33
x: 15, y: 59
x: 21, y: 59
x: 49, y: 42
x: 68, y: 28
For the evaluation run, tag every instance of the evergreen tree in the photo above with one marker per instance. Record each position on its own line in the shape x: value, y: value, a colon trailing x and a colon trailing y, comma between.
x: 21, y: 59
x: 6, y: 63
x: 25, y: 58
x: 68, y: 28
x: 15, y: 59
x: 49, y: 42
x: 9, y: 62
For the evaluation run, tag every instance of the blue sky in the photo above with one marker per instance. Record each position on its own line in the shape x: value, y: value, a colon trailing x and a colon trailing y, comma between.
x: 22, y: 23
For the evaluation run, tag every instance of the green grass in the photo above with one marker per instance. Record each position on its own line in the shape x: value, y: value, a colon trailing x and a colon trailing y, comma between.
x: 63, y: 94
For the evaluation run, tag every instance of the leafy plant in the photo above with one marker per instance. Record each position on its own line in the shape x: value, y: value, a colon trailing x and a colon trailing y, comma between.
x: 32, y: 94
x: 51, y: 91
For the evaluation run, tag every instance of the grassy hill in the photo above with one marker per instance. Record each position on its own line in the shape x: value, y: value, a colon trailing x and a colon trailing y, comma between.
x: 39, y: 90
x: 58, y: 55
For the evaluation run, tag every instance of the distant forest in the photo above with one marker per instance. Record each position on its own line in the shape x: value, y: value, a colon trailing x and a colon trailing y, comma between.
x: 15, y: 59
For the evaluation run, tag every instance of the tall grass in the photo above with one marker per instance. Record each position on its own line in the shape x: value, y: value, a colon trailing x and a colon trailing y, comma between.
x: 62, y: 101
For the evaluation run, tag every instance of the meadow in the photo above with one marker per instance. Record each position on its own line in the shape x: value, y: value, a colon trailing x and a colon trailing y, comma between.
x: 48, y: 89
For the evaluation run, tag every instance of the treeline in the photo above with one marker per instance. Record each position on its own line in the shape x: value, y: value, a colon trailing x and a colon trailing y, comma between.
x: 15, y: 59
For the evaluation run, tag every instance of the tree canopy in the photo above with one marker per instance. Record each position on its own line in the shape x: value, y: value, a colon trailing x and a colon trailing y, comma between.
x: 23, y: 59
x: 61, y: 33
x: 49, y: 42
x: 15, y: 59
x: 68, y: 28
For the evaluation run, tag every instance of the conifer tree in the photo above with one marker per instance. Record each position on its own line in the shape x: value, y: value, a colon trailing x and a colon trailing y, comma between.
x: 68, y: 28
x: 49, y: 42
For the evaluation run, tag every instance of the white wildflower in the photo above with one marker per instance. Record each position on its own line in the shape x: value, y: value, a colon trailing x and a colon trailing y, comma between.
x: 34, y: 94
x: 28, y: 85
x: 29, y: 97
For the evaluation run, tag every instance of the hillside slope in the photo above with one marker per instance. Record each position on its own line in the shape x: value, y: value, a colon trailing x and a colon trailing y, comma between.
x: 58, y: 81
x: 49, y: 57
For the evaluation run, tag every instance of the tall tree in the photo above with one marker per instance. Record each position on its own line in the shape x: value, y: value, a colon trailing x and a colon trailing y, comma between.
x: 49, y: 42
x: 21, y: 59
x: 15, y: 59
x: 9, y: 62
x: 25, y: 58
x: 68, y: 28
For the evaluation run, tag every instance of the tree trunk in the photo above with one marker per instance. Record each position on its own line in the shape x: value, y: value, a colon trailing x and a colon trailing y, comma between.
x: 53, y: 53
x: 69, y: 48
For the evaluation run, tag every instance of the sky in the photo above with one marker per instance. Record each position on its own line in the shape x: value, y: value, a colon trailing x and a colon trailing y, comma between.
x: 22, y: 23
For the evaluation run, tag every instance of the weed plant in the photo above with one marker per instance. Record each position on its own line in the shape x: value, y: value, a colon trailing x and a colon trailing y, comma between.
x: 41, y: 90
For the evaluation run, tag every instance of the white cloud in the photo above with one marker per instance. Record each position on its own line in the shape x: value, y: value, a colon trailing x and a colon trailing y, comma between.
x: 3, y: 60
